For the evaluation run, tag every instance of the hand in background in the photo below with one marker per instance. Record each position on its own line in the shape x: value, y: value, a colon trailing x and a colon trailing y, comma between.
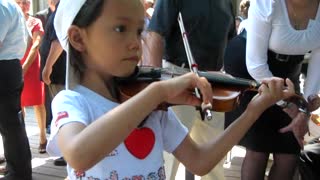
x: 46, y: 75
x: 299, y: 123
x: 313, y: 102
x: 299, y: 127
x: 292, y: 110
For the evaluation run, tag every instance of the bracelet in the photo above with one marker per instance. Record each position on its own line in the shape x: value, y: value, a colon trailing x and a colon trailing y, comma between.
x: 282, y: 104
x: 305, y: 111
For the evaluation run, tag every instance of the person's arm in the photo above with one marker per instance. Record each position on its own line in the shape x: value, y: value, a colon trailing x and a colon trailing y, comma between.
x: 201, y: 158
x: 37, y: 34
x: 258, y: 35
x: 107, y: 132
x: 36, y: 40
x: 164, y: 18
x: 312, y: 83
x: 54, y: 53
x: 152, y: 49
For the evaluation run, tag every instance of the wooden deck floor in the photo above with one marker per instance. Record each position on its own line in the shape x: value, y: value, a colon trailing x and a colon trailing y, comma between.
x: 44, y: 169
x: 42, y: 165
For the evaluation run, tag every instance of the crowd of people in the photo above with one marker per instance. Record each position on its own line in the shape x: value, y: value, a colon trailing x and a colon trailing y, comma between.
x: 67, y: 61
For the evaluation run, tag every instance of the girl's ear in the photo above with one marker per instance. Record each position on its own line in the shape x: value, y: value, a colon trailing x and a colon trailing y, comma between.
x: 75, y: 38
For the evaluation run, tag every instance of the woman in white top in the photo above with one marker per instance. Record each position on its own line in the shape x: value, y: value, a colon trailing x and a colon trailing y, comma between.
x: 280, y: 32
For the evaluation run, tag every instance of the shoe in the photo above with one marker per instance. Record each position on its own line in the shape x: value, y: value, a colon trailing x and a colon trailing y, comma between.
x: 60, y: 162
x: 42, y: 148
x: 2, y: 159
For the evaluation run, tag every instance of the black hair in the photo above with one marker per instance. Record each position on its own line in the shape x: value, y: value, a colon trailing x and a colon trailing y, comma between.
x: 89, y: 13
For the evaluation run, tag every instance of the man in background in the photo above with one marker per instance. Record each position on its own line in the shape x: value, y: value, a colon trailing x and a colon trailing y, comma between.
x: 44, y: 16
x: 13, y: 43
x: 209, y: 24
x: 53, y: 65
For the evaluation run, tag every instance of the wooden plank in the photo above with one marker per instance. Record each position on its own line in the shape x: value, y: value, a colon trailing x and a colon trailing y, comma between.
x: 42, y: 164
x: 45, y: 177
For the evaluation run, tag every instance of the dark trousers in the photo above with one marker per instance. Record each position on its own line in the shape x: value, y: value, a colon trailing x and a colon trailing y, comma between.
x: 12, y: 128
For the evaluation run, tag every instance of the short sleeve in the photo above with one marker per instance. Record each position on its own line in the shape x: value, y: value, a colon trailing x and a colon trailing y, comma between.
x: 52, y: 35
x: 37, y: 26
x: 174, y: 132
x: 68, y: 106
x: 4, y: 20
x: 164, y: 17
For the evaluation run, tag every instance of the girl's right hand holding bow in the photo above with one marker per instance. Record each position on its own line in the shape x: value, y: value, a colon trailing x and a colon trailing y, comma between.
x: 180, y: 90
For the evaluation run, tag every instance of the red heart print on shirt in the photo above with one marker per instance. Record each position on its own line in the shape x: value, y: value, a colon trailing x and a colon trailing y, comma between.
x: 140, y: 142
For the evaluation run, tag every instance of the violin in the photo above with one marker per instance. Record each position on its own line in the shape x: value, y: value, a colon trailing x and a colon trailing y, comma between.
x: 226, y: 88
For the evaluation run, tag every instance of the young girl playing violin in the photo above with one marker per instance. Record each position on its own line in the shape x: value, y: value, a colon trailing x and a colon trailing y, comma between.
x: 99, y: 137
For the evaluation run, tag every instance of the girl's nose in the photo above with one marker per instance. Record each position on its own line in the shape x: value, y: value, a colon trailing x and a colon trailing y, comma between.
x: 135, y: 43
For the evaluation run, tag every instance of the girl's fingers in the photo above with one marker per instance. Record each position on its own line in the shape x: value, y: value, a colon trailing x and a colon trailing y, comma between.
x: 289, y: 91
x: 274, y: 86
x: 206, y: 90
x: 263, y: 88
x: 181, y: 89
x: 277, y: 87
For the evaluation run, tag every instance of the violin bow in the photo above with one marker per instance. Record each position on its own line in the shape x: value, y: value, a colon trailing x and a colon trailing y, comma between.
x: 206, y: 108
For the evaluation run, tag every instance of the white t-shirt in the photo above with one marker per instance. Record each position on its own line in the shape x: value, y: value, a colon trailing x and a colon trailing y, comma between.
x: 128, y: 160
x: 269, y: 28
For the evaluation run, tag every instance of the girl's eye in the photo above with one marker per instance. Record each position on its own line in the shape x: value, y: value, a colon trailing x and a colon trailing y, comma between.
x: 120, y: 28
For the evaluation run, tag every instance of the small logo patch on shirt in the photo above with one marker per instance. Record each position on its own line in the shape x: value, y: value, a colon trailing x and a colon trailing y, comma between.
x: 79, y: 174
x: 61, y: 115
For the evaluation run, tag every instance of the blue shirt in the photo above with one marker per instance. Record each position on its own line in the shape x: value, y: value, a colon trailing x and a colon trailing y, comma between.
x: 13, y: 33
